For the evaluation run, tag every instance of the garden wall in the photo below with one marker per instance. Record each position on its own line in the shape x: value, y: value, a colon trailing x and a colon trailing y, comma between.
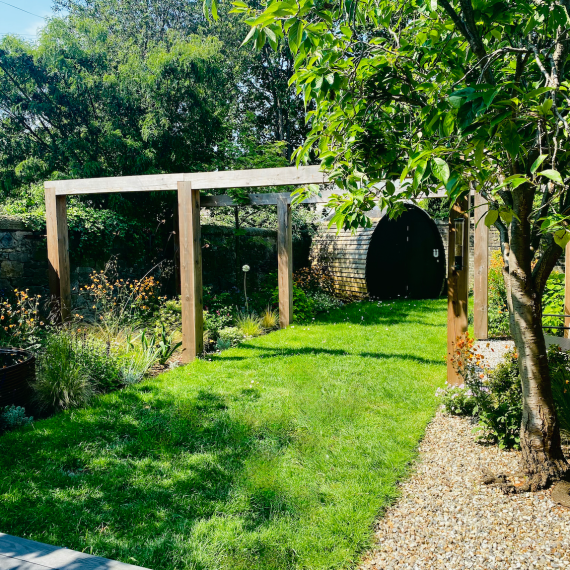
x: 24, y: 265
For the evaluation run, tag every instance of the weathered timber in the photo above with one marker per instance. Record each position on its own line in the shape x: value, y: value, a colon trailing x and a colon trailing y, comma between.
x: 457, y: 289
x: 190, y: 271
x: 58, y: 254
x: 285, y: 263
x: 481, y: 270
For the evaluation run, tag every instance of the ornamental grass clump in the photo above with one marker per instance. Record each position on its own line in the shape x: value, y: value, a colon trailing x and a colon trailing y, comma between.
x: 63, y: 381
x: 249, y: 324
x: 269, y: 319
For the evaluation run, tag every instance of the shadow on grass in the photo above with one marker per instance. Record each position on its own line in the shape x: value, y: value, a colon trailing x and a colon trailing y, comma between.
x: 136, y: 465
x: 271, y: 352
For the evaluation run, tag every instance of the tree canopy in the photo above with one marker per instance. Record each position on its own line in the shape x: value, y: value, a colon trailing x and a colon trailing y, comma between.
x: 454, y: 94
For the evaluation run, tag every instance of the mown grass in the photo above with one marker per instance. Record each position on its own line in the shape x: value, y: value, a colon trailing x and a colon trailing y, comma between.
x: 278, y: 454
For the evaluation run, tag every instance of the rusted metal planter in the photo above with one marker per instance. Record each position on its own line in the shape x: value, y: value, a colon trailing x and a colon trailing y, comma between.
x: 17, y: 374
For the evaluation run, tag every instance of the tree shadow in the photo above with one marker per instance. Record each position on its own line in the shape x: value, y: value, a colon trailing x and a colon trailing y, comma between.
x: 139, y: 464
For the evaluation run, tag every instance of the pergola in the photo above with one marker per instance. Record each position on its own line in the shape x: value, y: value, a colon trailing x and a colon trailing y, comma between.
x: 190, y: 200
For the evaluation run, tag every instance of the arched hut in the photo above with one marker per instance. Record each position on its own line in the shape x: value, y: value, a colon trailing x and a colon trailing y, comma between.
x: 397, y: 258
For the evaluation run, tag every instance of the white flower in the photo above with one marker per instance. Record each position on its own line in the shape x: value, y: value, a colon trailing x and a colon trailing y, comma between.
x: 245, y: 268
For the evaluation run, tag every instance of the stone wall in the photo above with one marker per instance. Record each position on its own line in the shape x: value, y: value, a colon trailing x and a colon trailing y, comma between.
x: 23, y: 258
x: 24, y: 265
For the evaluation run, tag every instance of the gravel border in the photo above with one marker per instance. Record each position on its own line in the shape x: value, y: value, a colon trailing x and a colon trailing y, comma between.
x: 447, y: 519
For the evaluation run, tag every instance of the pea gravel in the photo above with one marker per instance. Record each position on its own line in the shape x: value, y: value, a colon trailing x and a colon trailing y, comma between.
x: 447, y: 519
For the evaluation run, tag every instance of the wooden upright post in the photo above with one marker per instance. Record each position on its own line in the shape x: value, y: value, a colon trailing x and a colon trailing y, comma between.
x: 567, y: 289
x: 457, y: 287
x: 190, y: 271
x: 481, y: 270
x: 58, y: 254
x: 285, y: 262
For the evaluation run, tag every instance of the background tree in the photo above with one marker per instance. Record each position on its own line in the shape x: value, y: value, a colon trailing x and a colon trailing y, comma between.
x: 448, y: 93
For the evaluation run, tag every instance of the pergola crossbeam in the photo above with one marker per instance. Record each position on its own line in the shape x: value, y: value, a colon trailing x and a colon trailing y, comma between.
x: 190, y: 200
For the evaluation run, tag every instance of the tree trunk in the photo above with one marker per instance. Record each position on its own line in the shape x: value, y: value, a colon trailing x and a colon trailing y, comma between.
x: 542, y: 457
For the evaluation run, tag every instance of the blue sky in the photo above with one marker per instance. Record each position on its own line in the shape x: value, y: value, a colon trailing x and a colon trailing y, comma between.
x: 16, y: 21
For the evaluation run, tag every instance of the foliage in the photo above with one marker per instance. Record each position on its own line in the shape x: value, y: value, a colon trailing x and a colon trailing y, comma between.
x: 115, y: 116
x: 12, y: 417
x: 249, y: 324
x: 498, y: 312
x: 215, y: 321
x: 456, y: 400
x: 553, y: 303
x: 269, y: 319
x: 137, y: 362
x: 559, y: 364
x: 499, y: 403
x: 323, y: 302
x: 230, y: 336
x: 239, y: 475
x: 62, y: 380
x: 21, y: 325
x: 97, y: 358
x: 94, y: 231
x: 496, y: 394
x: 170, y: 314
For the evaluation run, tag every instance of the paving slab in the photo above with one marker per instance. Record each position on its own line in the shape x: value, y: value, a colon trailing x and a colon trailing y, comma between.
x: 23, y: 554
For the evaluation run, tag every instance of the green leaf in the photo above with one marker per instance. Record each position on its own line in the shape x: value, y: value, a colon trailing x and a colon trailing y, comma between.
x: 537, y: 163
x: 510, y: 138
x: 506, y: 216
x: 419, y: 173
x: 554, y: 175
x: 562, y: 237
x: 440, y: 169
x: 250, y: 35
x: 390, y: 188
x: 491, y: 217
x: 448, y: 123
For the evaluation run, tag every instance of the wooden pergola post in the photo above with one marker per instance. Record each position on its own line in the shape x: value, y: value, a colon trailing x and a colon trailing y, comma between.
x: 481, y: 270
x: 190, y: 271
x: 285, y: 261
x: 58, y: 254
x: 567, y: 289
x: 457, y: 287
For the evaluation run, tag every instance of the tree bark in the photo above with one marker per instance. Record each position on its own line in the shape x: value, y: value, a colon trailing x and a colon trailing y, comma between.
x: 542, y: 457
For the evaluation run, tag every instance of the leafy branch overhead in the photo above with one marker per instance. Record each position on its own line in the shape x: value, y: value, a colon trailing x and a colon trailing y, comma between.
x: 438, y: 94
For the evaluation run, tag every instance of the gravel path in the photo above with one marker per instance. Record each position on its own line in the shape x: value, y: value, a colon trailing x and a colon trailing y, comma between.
x: 447, y: 519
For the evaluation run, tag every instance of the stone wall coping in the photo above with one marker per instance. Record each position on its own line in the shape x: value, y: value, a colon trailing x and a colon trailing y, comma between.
x: 11, y: 223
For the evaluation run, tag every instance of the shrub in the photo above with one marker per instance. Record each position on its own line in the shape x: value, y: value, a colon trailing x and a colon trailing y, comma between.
x: 457, y: 400
x: 559, y: 364
x: 249, y: 324
x: 498, y: 309
x: 323, y: 302
x: 230, y: 336
x: 497, y: 393
x: 136, y: 363
x: 62, y: 380
x: 269, y: 319
x: 553, y: 303
x: 12, y: 417
x: 215, y: 321
x: 499, y: 403
x: 170, y: 314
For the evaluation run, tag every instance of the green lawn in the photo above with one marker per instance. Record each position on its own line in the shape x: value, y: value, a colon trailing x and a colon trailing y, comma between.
x: 277, y: 454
